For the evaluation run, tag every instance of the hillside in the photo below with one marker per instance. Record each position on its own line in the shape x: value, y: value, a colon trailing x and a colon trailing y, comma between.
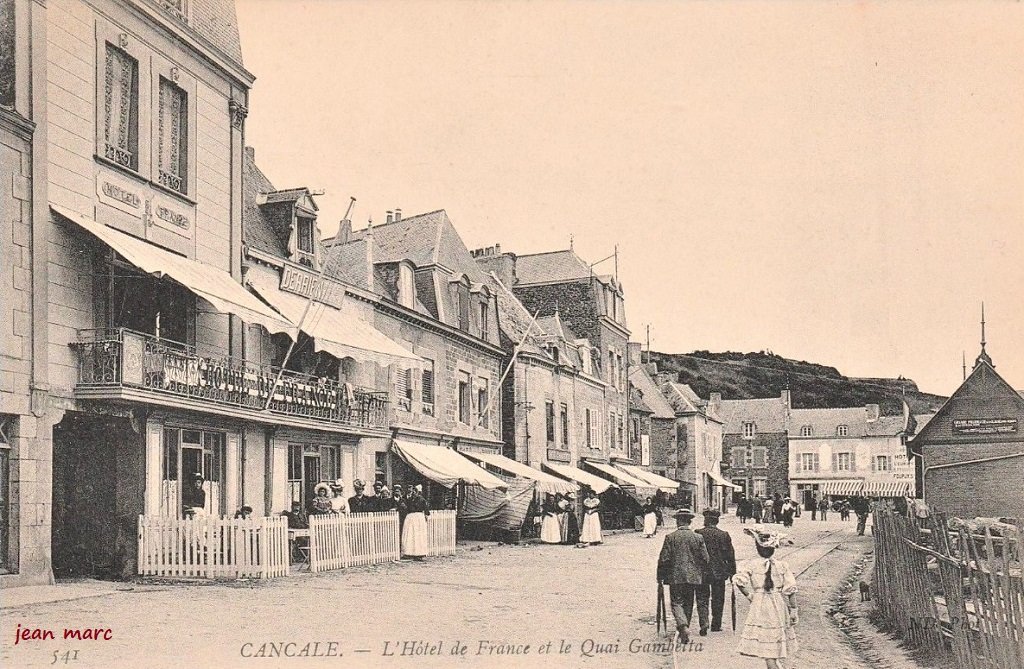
x: 752, y: 375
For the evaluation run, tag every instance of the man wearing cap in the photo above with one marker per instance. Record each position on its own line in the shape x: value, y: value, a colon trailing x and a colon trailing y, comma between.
x: 722, y: 563
x: 359, y: 503
x: 683, y: 564
x: 194, y: 497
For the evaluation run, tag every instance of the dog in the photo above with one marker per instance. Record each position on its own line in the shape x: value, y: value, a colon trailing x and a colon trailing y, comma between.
x: 865, y: 592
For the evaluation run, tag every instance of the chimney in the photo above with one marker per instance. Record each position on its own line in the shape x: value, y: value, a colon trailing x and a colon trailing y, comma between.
x: 716, y: 398
x: 633, y: 352
x: 344, y: 232
x: 786, y: 399
x: 661, y: 378
x: 390, y: 216
x: 497, y: 249
x: 491, y: 259
x: 398, y: 215
x: 250, y: 153
x: 872, y: 411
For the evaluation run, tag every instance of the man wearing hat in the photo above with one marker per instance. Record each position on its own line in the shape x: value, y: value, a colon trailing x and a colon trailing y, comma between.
x: 683, y: 564
x: 194, y: 496
x: 359, y: 503
x: 722, y: 563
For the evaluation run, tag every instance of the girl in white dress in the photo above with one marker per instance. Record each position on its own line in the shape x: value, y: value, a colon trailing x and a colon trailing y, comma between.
x: 591, y: 520
x: 770, y: 629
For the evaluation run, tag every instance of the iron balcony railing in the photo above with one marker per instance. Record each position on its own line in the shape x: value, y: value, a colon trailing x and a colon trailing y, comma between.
x: 122, y: 358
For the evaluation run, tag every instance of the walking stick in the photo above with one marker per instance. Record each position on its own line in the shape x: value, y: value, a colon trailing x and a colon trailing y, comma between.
x: 659, y: 614
x: 732, y: 587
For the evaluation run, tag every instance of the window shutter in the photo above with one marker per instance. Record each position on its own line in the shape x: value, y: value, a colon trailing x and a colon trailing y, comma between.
x: 835, y: 462
x: 853, y: 461
x: 817, y: 460
x: 428, y: 386
x: 798, y: 464
x: 873, y: 464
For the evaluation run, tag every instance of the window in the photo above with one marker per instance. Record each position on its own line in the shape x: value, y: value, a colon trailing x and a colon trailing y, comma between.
x: 634, y: 435
x: 589, y: 427
x: 739, y: 456
x: 186, y: 453
x: 121, y: 108
x: 406, y: 286
x: 611, y: 430
x: 483, y: 403
x: 7, y: 422
x: 758, y: 457
x: 308, y: 466
x: 808, y: 462
x: 844, y: 462
x: 748, y: 430
x: 462, y: 306
x: 465, y: 388
x: 564, y: 410
x: 305, y: 234
x: 842, y: 431
x: 760, y: 487
x: 883, y: 463
x: 612, y: 368
x: 176, y: 8
x: 621, y: 433
x: 806, y: 431
x: 172, y: 138
x: 484, y: 317
x: 403, y: 389
x: 146, y: 304
x: 427, y: 387
x: 549, y: 422
x: 7, y: 66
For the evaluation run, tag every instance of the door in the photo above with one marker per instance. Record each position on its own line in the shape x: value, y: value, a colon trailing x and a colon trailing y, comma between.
x: 311, y: 477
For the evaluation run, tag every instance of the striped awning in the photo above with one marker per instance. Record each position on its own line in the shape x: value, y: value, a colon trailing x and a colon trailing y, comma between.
x: 844, y: 487
x: 886, y: 489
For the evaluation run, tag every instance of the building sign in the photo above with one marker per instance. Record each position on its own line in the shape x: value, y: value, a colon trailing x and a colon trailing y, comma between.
x: 984, y: 425
x: 306, y: 284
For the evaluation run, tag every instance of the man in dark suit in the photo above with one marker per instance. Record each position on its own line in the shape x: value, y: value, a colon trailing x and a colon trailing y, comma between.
x: 722, y: 564
x: 683, y: 564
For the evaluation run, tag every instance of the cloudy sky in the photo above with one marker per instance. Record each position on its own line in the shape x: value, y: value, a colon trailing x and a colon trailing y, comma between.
x: 836, y: 182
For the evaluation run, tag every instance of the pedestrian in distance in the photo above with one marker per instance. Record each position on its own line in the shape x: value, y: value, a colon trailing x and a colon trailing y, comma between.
x: 721, y: 566
x: 770, y: 628
x: 339, y: 503
x: 415, y: 543
x: 777, y: 508
x: 862, y: 507
x: 650, y: 511
x: 563, y: 518
x: 756, y: 509
x: 788, y: 510
x: 398, y: 496
x: 684, y: 565
x: 572, y: 523
x: 359, y: 502
x: 823, y: 508
x: 385, y: 502
x: 591, y: 519
x: 375, y: 501
x: 814, y: 508
x: 743, y: 508
x: 550, y: 529
x: 769, y: 510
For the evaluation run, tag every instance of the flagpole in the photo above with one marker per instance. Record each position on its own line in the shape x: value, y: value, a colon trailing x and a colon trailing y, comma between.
x: 317, y: 282
x: 508, y: 368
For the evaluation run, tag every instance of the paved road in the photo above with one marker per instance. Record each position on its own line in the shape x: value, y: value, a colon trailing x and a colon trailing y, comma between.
x: 507, y: 606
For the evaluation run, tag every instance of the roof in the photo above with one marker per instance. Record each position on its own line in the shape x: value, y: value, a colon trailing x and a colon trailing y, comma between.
x: 216, y: 21
x: 825, y: 422
x: 258, y: 230
x: 653, y: 398
x: 551, y: 266
x: 513, y: 318
x: 681, y: 397
x: 637, y: 403
x: 290, y: 195
x: 769, y: 415
x: 552, y: 325
x: 922, y: 419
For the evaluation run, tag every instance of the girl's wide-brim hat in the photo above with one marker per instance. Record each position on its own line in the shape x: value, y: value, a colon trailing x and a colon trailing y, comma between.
x: 768, y: 539
x: 321, y: 486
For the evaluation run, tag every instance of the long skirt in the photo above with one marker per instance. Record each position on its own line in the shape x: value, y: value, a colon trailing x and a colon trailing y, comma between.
x: 767, y: 631
x: 650, y: 523
x: 414, y: 535
x: 591, y: 529
x: 572, y: 533
x: 550, y: 529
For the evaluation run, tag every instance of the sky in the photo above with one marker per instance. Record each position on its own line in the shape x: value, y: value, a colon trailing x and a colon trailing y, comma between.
x: 841, y: 183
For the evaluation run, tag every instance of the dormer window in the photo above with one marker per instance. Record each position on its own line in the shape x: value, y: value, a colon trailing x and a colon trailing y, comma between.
x: 806, y: 431
x: 842, y: 431
x: 406, y: 286
x: 485, y: 316
x: 304, y: 242
x: 749, y: 431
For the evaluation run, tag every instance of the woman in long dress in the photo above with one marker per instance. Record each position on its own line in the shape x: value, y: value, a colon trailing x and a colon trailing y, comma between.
x: 770, y: 629
x: 571, y: 534
x: 591, y: 519
x: 650, y: 511
x: 550, y: 528
x: 415, y: 543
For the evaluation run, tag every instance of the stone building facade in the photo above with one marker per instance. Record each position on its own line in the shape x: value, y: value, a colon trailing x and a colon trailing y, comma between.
x: 755, y: 443
x: 699, y: 434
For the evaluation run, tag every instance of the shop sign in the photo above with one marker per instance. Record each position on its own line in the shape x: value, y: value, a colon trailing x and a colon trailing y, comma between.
x: 306, y: 284
x: 984, y: 425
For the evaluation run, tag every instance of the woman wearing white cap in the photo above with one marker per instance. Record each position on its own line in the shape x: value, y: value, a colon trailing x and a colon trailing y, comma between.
x: 415, y: 543
x: 770, y: 629
x: 591, y: 519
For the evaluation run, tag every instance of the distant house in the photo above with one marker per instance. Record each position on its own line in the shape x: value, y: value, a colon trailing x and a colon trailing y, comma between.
x: 755, y: 444
x: 969, y: 458
x: 661, y: 452
x: 699, y: 445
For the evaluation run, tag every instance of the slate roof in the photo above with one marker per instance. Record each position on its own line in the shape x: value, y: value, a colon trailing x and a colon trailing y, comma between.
x: 550, y: 266
x: 289, y: 195
x: 641, y: 380
x: 681, y: 397
x: 513, y: 318
x: 825, y: 422
x: 258, y: 231
x: 769, y: 415
x: 215, y: 21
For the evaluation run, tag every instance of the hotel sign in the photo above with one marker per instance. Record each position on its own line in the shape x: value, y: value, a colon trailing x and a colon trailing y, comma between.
x: 307, y: 284
x: 984, y: 425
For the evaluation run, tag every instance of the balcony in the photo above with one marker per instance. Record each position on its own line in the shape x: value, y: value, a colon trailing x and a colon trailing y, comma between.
x: 124, y: 364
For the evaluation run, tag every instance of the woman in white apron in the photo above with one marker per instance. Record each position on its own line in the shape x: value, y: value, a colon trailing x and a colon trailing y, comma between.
x: 591, y: 519
x: 650, y: 518
x: 415, y: 542
x: 550, y: 528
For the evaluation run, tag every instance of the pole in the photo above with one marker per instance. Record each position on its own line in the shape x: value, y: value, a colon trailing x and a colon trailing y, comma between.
x: 648, y: 342
x: 302, y: 319
x: 508, y: 368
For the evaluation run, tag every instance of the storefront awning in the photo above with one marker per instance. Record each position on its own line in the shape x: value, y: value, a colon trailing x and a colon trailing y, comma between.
x: 209, y: 283
x: 657, y: 480
x: 640, y: 487
x: 545, y: 482
x: 886, y: 489
x: 717, y: 477
x: 595, y: 483
x: 844, y: 487
x: 341, y: 332
x: 445, y: 465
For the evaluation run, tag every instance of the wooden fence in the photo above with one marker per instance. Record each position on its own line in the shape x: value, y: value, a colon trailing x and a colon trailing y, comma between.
x: 338, y: 541
x: 952, y: 587
x: 210, y: 547
x: 441, y: 533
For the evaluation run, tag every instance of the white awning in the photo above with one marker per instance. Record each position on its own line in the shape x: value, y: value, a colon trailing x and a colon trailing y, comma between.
x: 715, y: 474
x: 545, y: 482
x: 657, y: 480
x: 445, y: 465
x: 209, y: 283
x: 844, y: 487
x: 595, y: 483
x: 886, y: 489
x: 341, y: 332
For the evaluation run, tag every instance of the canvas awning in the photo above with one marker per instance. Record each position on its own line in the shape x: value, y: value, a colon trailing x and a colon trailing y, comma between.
x: 545, y: 482
x: 213, y: 285
x: 844, y: 487
x: 717, y: 477
x: 640, y: 487
x: 595, y: 483
x: 445, y: 465
x: 661, y: 482
x: 341, y: 332
x: 886, y: 489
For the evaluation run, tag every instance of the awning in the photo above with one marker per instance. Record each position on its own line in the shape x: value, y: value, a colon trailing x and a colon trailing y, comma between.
x: 657, y: 480
x: 640, y: 487
x: 341, y: 332
x: 842, y: 487
x: 716, y: 476
x: 596, y: 483
x: 886, y: 489
x: 445, y: 466
x: 209, y: 283
x: 545, y: 482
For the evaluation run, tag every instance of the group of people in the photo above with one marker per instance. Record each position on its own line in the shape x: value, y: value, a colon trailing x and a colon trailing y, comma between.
x: 776, y: 509
x: 696, y: 565
x: 560, y: 524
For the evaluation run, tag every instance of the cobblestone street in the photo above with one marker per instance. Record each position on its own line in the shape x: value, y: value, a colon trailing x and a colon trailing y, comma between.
x: 596, y: 604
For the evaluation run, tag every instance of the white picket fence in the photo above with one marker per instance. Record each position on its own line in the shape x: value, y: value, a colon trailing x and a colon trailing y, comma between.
x: 441, y: 533
x: 209, y: 547
x: 337, y: 541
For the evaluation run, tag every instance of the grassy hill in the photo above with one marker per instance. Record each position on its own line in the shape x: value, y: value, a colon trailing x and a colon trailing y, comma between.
x: 753, y: 375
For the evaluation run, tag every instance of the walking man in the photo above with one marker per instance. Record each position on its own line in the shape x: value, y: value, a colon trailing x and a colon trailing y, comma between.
x: 683, y: 564
x: 721, y: 563
x: 814, y: 508
x: 861, y: 507
x: 756, y: 509
x: 823, y: 508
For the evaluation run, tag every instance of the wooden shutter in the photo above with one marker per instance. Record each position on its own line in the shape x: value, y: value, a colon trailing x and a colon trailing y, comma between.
x: 835, y: 461
x: 427, y: 381
x: 853, y: 461
x: 817, y: 460
x: 873, y: 463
